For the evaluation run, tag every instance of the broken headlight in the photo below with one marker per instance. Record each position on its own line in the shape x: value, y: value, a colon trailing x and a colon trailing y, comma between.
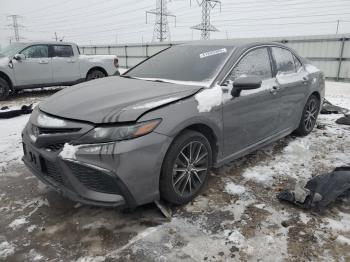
x: 106, y: 134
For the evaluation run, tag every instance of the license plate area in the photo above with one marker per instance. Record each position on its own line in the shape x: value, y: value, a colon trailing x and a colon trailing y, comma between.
x: 32, y: 157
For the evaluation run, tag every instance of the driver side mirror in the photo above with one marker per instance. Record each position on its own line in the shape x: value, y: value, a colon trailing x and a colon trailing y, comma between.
x: 245, y: 83
x: 19, y: 57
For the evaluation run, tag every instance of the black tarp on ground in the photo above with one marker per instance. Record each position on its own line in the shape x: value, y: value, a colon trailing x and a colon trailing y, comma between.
x: 16, y: 112
x: 321, y: 190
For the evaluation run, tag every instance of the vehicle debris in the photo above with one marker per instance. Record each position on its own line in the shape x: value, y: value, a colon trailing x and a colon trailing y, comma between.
x: 329, y: 108
x: 320, y: 191
x: 166, y: 211
x: 344, y: 120
x: 15, y: 112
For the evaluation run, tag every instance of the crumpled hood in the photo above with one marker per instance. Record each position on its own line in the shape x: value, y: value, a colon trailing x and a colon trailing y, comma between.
x: 113, y: 99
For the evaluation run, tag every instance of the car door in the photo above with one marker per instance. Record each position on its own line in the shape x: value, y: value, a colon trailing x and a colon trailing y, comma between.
x: 35, y: 69
x: 293, y: 84
x: 253, y: 116
x: 65, y: 65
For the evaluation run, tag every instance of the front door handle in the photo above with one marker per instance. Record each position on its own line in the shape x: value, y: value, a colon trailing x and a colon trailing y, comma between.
x: 305, y: 80
x: 274, y: 90
x: 43, y: 62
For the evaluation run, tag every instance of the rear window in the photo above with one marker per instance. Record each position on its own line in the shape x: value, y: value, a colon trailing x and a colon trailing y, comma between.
x: 62, y: 51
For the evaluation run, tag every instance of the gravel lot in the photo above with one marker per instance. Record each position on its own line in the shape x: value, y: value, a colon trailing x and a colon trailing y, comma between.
x: 237, y: 217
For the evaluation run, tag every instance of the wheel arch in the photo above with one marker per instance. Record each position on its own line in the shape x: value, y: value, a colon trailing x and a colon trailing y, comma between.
x: 7, y: 79
x: 99, y: 68
x: 208, y: 132
x: 317, y: 94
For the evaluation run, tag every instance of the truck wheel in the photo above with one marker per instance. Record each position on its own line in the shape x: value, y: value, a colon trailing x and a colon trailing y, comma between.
x: 4, y: 89
x: 185, y: 168
x: 94, y: 74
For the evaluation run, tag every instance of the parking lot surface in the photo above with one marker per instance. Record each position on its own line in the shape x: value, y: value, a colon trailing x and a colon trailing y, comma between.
x: 237, y: 216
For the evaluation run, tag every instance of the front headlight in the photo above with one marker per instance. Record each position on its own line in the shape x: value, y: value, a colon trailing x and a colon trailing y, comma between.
x: 116, y: 133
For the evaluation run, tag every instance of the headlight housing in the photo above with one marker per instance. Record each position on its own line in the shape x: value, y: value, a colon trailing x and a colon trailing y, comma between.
x: 105, y: 134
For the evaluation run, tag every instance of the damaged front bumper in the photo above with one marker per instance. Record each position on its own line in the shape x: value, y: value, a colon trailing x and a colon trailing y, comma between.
x: 124, y: 173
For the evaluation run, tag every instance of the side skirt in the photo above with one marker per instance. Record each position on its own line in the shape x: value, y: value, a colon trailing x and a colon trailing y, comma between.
x: 253, y: 147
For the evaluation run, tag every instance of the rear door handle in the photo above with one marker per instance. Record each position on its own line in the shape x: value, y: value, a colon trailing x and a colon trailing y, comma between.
x: 71, y: 61
x: 43, y: 62
x: 274, y: 90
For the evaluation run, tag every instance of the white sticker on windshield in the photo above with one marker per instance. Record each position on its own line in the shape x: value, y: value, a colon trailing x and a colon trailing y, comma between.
x: 214, y: 52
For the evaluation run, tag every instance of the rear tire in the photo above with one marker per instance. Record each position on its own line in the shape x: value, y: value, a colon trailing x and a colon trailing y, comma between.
x: 4, y: 89
x: 95, y: 74
x: 309, y: 116
x: 186, y: 168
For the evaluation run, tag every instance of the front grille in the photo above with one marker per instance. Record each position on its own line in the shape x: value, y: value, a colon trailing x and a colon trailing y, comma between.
x: 50, y: 170
x: 46, y: 130
x: 55, y: 147
x: 94, y: 179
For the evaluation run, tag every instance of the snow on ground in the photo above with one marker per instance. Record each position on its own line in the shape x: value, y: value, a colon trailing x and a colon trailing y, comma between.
x: 237, y: 217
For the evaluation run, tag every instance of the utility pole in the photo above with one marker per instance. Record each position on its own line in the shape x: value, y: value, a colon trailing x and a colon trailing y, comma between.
x: 338, y: 22
x: 15, y: 25
x: 161, y: 30
x: 205, y: 25
x: 57, y: 39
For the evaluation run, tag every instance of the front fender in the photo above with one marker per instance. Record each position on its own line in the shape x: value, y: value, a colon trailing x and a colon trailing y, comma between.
x: 178, y: 116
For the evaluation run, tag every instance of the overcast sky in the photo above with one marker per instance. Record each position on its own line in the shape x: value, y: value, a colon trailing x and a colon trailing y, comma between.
x: 123, y: 21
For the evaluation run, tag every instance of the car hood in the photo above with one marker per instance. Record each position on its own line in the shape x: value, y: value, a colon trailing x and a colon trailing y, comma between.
x: 114, y: 99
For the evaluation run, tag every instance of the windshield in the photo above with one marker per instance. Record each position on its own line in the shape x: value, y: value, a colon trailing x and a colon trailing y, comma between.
x: 190, y: 63
x: 12, y: 49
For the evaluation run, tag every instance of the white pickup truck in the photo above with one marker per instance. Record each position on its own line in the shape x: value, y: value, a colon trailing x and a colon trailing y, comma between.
x: 41, y: 64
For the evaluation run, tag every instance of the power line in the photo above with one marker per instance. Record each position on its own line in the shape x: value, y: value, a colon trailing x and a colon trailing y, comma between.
x: 15, y: 26
x: 161, y: 29
x: 205, y: 27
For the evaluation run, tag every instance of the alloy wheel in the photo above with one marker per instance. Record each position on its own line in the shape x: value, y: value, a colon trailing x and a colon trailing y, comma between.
x: 310, y: 115
x: 190, y: 168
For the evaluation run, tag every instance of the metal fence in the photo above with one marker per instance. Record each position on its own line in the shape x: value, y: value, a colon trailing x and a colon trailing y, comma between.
x: 330, y: 53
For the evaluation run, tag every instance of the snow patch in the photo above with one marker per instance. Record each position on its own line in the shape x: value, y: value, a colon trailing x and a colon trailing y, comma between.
x: 35, y: 256
x: 91, y: 259
x: 6, y: 249
x: 259, y: 174
x: 31, y: 228
x: 209, y: 98
x: 69, y: 151
x: 311, y: 68
x: 17, y: 223
x: 343, y: 240
x: 234, y: 189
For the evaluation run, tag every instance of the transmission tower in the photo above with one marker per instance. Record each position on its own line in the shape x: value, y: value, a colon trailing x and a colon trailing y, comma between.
x: 161, y: 30
x: 205, y: 26
x: 15, y: 26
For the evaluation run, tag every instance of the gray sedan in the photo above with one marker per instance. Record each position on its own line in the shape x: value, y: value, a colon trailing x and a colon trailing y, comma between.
x: 156, y: 131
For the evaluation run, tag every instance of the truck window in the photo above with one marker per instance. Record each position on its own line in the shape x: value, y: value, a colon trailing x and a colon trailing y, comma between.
x: 62, y: 51
x: 36, y: 51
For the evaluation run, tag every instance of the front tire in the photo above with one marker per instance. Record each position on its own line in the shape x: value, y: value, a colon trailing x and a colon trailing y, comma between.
x: 4, y: 89
x: 95, y: 74
x: 185, y: 168
x: 309, y: 116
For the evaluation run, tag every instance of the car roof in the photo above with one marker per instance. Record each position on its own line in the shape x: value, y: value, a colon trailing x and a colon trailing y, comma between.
x: 233, y: 43
x: 47, y: 43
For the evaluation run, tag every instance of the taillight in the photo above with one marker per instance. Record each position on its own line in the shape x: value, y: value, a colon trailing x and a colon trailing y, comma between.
x: 116, y: 62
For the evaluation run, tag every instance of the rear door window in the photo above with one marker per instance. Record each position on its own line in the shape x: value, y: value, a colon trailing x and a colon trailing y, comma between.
x: 255, y: 63
x: 284, y: 60
x: 62, y: 51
